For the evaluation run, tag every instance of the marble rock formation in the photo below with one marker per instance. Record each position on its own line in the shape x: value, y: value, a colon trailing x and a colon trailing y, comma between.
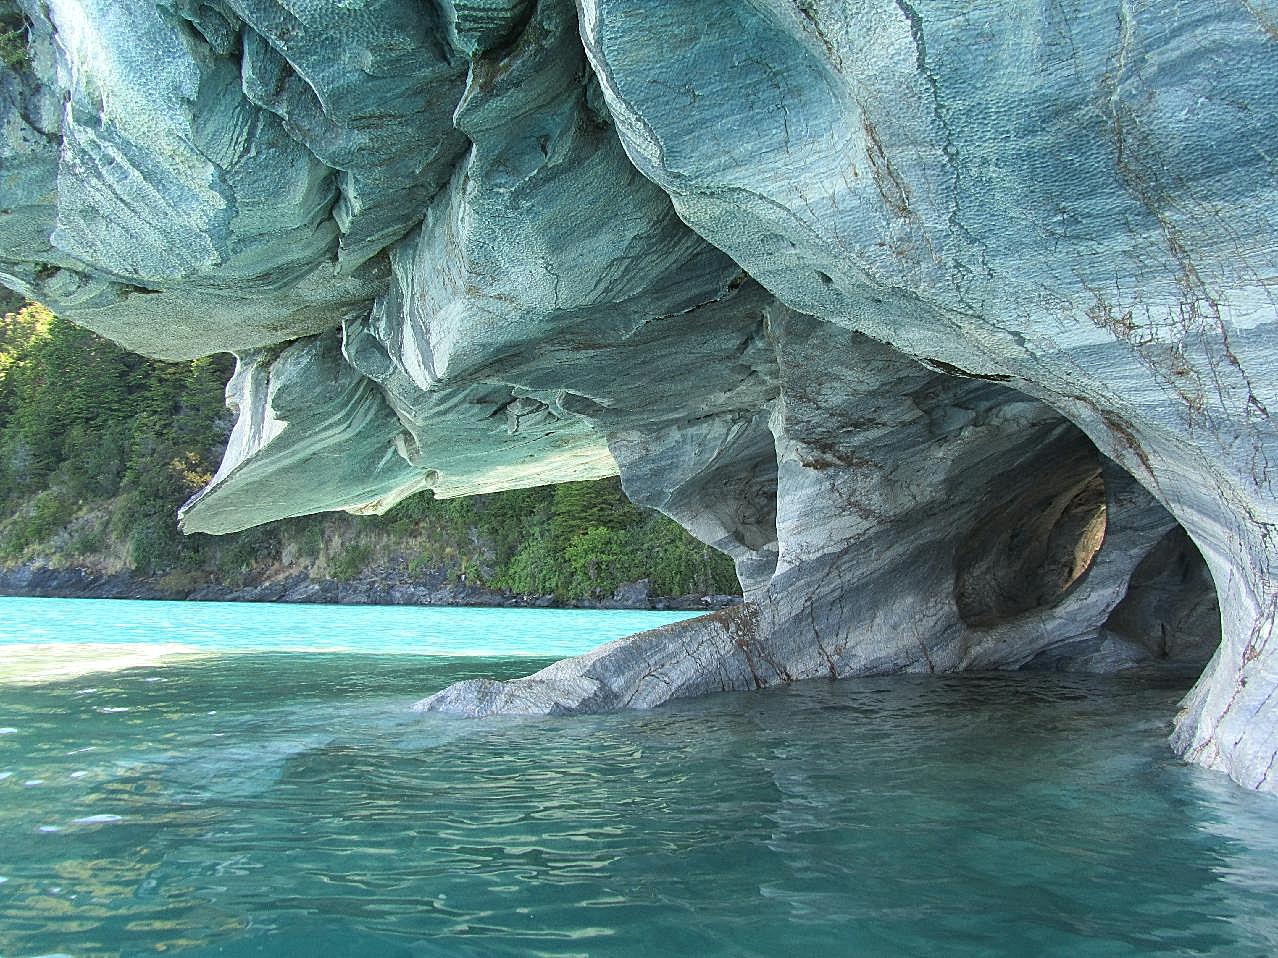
x: 952, y: 324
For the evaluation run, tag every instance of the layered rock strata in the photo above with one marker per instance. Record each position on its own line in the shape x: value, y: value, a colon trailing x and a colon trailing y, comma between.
x: 954, y: 327
x: 921, y: 522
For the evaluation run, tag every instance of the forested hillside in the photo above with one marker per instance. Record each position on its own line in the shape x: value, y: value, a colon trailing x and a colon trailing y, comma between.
x: 99, y: 447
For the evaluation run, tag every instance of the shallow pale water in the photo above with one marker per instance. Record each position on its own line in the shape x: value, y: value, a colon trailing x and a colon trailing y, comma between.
x: 278, y: 627
x: 266, y: 802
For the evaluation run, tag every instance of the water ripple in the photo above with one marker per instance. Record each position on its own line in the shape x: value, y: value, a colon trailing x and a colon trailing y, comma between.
x: 974, y: 815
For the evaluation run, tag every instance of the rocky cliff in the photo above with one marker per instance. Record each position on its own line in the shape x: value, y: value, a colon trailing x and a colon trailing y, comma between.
x: 952, y: 324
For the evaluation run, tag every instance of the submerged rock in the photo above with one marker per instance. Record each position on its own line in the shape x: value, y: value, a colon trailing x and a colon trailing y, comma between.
x: 956, y: 332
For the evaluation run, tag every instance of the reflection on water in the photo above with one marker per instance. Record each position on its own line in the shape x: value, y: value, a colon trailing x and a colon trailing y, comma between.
x: 274, y: 804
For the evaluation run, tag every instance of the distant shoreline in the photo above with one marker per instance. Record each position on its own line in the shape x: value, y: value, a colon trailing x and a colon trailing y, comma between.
x: 37, y: 581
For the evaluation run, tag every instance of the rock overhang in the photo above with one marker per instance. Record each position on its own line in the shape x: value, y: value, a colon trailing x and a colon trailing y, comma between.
x: 484, y: 245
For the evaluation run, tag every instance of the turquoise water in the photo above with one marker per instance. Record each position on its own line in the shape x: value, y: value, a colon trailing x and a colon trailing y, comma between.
x: 267, y: 802
x: 276, y: 627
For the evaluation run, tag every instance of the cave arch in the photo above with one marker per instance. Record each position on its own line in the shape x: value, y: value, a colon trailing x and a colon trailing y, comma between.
x: 1171, y: 607
x: 1038, y: 540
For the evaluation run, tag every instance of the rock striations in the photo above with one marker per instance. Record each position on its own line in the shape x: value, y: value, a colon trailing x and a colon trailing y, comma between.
x: 954, y: 325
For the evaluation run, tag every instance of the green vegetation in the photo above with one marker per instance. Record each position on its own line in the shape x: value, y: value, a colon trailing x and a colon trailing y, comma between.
x: 13, y: 36
x: 99, y: 447
x: 576, y: 540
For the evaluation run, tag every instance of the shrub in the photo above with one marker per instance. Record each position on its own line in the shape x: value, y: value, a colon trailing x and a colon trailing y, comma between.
x: 237, y: 556
x: 90, y: 542
x: 681, y: 565
x: 13, y: 39
x: 350, y: 562
x: 152, y: 547
x: 42, y: 518
x: 532, y: 569
x: 307, y: 535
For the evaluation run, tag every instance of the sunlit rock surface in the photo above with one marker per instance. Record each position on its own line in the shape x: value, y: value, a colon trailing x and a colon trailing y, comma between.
x: 952, y: 324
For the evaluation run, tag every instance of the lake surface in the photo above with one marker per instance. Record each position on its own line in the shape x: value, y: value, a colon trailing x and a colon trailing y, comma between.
x: 231, y: 794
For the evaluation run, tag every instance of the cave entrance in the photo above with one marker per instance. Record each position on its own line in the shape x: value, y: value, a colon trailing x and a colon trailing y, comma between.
x: 1037, y: 543
x: 1171, y: 608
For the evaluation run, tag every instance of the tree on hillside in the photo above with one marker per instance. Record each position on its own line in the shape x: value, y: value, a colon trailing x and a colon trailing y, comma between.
x: 88, y: 430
